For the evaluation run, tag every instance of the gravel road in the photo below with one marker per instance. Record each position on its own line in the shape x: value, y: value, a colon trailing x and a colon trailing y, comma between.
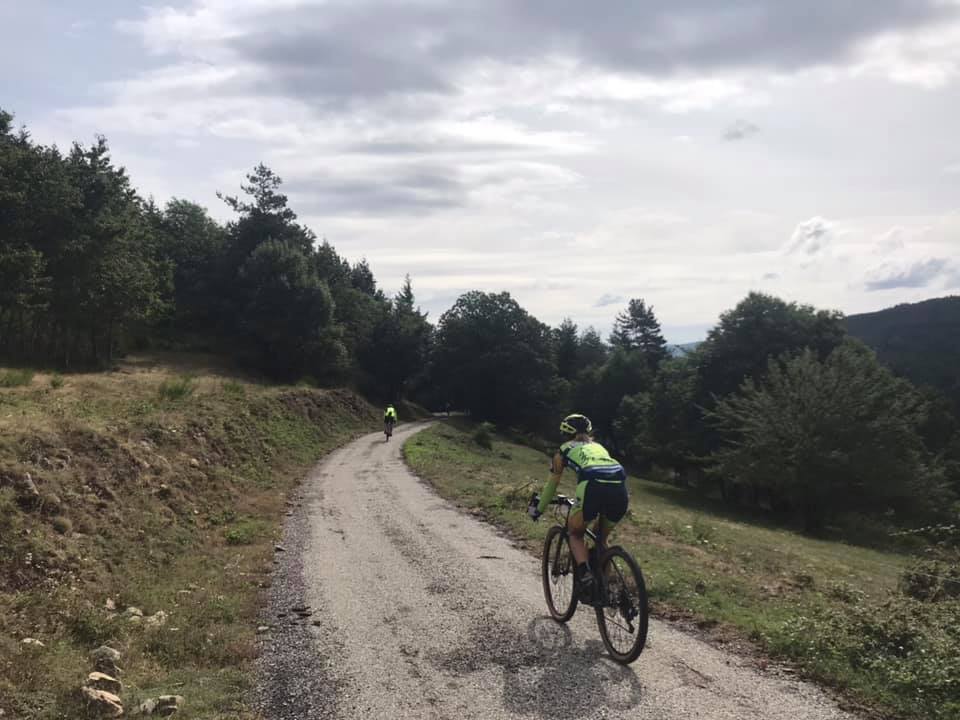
x: 389, y: 603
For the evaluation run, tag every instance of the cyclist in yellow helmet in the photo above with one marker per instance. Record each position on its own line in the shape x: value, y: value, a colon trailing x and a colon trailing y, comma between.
x: 389, y: 420
x: 601, y: 491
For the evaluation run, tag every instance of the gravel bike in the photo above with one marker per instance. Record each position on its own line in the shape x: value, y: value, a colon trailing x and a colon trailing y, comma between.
x: 388, y: 430
x: 620, y: 594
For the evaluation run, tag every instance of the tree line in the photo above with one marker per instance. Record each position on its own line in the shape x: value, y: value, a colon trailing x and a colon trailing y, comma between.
x: 779, y: 409
x: 90, y: 269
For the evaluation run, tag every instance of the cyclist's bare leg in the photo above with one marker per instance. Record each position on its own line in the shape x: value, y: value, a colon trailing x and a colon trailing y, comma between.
x: 576, y: 527
x: 603, y: 529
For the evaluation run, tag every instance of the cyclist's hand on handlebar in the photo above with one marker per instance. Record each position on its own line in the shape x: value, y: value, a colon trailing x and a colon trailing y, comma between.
x: 533, y: 510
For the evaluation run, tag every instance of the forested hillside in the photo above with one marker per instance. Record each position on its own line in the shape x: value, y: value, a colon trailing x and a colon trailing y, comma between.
x: 89, y: 270
x: 779, y: 409
x: 919, y: 341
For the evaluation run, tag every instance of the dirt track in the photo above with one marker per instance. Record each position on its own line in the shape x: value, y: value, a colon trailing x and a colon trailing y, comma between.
x: 418, y: 611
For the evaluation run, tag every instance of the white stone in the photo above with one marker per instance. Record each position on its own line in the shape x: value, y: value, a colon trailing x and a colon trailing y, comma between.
x: 158, y: 619
x: 102, y: 681
x: 32, y: 642
x: 102, y: 701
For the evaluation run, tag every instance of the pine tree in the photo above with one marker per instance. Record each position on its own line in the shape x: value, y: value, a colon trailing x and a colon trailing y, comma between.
x: 637, y: 328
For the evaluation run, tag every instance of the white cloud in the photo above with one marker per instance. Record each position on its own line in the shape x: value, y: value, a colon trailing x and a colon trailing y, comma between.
x: 811, y: 237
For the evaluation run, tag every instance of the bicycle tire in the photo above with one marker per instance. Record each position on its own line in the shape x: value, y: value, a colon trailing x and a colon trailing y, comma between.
x: 556, y: 554
x: 642, y: 607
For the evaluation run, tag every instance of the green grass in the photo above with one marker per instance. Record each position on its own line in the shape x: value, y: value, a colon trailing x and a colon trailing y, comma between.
x: 245, y: 532
x: 15, y: 378
x: 832, y: 608
x: 177, y: 388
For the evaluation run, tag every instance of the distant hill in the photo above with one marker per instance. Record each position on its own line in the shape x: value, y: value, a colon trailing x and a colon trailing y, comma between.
x: 919, y: 341
x: 683, y: 348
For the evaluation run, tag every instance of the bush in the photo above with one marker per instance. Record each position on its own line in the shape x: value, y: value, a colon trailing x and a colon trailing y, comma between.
x: 15, y: 378
x: 908, y: 649
x: 56, y: 381
x: 177, y: 389
x: 62, y: 525
x: 483, y: 435
x: 931, y: 581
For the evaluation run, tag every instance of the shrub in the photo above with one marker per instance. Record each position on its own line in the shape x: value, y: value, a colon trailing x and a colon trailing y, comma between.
x: 845, y: 592
x: 483, y: 435
x: 56, y: 381
x: 62, y: 525
x: 931, y: 581
x: 908, y: 648
x: 176, y: 389
x: 15, y: 378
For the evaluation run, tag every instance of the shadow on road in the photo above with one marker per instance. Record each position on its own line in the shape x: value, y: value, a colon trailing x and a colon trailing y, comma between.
x: 544, y: 673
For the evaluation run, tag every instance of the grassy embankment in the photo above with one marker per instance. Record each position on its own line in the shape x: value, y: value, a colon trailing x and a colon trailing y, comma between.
x: 156, y: 490
x: 832, y: 608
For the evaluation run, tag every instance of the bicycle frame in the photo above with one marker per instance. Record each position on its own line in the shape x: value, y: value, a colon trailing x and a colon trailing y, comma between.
x: 563, y: 507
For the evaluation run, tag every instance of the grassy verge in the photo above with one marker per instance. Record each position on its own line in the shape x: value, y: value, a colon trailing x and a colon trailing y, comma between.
x: 155, y: 490
x: 832, y: 608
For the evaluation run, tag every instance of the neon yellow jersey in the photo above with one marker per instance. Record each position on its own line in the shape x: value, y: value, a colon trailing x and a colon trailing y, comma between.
x: 580, y: 456
x: 390, y: 414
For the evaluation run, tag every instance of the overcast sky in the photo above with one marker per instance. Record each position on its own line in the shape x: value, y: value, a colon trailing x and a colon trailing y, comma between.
x: 576, y: 154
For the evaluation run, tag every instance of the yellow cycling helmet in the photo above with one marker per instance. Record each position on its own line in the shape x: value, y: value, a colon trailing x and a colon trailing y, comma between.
x: 576, y: 424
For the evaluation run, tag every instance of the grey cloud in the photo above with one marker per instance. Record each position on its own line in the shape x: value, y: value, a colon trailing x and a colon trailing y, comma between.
x: 401, y: 147
x: 411, y: 191
x: 740, y: 130
x: 919, y: 274
x: 608, y: 299
x: 771, y: 276
x: 374, y: 49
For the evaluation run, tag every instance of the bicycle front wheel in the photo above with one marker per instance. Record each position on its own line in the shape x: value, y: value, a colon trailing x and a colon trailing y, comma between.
x: 559, y: 578
x: 624, y: 614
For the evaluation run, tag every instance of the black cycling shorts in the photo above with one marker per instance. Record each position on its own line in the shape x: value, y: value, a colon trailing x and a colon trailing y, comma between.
x: 608, y: 500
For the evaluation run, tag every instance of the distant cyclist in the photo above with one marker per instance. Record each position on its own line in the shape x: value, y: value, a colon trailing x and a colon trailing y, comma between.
x: 389, y: 420
x: 601, y: 491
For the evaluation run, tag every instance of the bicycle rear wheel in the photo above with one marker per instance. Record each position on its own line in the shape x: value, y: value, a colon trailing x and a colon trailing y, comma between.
x: 559, y: 578
x: 624, y: 614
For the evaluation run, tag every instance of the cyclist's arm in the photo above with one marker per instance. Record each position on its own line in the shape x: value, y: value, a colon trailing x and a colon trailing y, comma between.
x: 550, y: 489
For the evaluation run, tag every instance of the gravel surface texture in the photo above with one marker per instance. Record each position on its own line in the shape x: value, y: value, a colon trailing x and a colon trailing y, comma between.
x: 389, y: 603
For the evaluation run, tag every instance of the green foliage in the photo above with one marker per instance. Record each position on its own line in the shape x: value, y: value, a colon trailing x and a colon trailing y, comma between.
x: 821, y: 437
x: 176, y: 389
x: 919, y: 341
x: 62, y: 525
x: 568, y: 349
x: 396, y: 350
x: 591, y: 350
x: 494, y: 358
x: 761, y: 327
x: 907, y: 651
x: 932, y: 581
x: 637, y: 328
x: 56, y: 381
x: 15, y: 378
x: 483, y: 435
x: 244, y: 532
x: 90, y: 270
x: 234, y: 388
